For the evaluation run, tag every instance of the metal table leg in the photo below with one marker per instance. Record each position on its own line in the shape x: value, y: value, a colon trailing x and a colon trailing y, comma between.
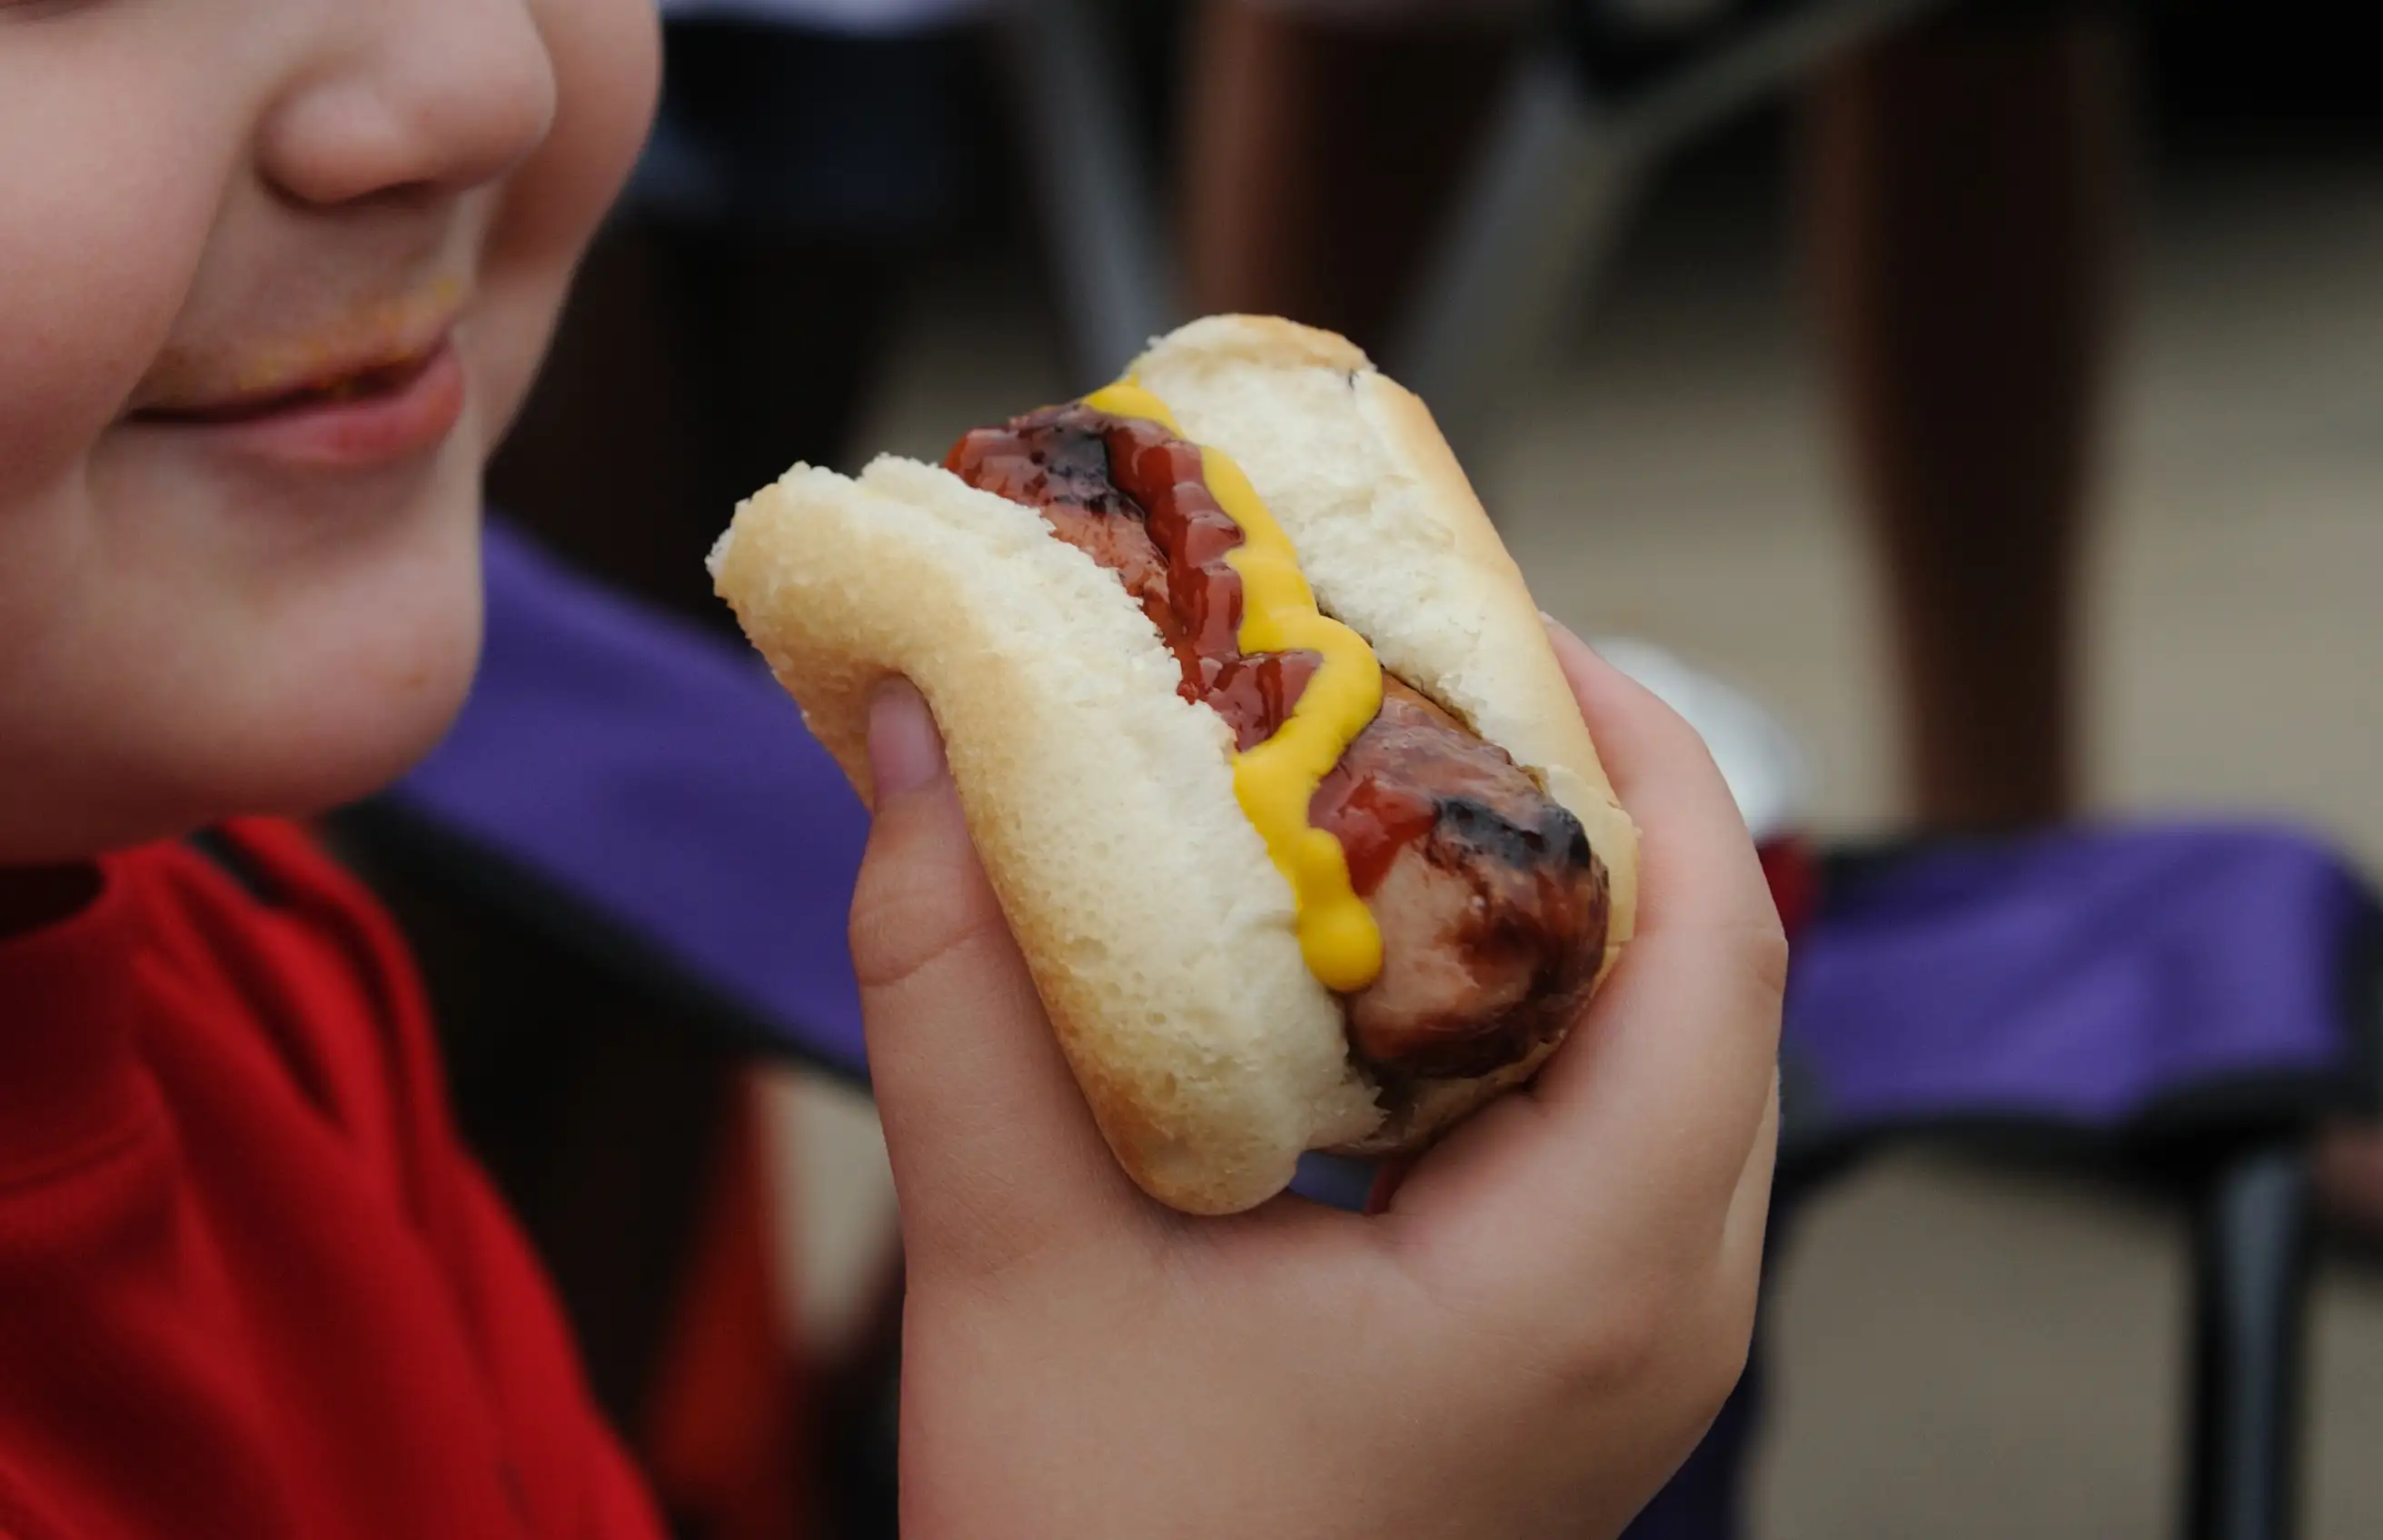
x: 2251, y: 1245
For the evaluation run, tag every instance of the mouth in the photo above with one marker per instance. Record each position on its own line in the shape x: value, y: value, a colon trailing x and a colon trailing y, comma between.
x: 351, y: 414
x: 336, y: 388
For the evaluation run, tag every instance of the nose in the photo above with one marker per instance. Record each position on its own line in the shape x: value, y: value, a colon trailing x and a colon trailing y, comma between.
x: 411, y: 96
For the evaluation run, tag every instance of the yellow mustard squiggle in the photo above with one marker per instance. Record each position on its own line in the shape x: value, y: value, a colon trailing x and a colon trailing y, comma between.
x: 1276, y: 779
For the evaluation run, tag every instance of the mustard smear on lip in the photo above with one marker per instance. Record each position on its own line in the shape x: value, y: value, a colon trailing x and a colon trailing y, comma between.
x: 1276, y: 779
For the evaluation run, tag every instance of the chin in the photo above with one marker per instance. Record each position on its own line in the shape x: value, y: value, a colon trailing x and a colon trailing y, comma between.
x: 362, y: 743
x: 318, y: 689
x: 325, y: 729
x: 356, y: 713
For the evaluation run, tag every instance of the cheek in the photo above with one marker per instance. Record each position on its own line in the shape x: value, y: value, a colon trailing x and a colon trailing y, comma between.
x: 607, y: 57
x: 99, y: 236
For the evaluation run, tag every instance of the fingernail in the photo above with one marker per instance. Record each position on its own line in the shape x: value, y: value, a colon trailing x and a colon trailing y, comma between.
x: 904, y: 750
x: 1559, y: 628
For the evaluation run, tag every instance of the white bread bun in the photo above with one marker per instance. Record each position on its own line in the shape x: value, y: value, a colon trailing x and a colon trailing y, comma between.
x: 1159, y: 933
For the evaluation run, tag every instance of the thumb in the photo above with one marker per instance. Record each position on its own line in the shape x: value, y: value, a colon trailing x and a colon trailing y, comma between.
x: 996, y: 1155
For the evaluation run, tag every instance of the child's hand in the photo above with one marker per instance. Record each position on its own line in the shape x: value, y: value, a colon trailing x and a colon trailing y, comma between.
x: 1528, y: 1341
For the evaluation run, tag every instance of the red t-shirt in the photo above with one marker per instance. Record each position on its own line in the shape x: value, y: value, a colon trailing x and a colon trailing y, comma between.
x: 250, y: 1285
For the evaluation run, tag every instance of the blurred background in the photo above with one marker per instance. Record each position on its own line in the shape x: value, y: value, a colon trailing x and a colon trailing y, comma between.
x: 1992, y: 394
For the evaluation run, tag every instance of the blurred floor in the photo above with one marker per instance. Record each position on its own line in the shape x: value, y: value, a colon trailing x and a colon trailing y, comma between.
x: 1959, y: 1354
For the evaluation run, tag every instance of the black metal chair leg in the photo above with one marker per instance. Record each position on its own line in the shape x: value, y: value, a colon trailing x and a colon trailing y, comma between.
x: 2251, y: 1270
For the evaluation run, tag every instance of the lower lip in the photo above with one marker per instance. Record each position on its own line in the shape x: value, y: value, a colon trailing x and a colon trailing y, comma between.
x: 359, y: 433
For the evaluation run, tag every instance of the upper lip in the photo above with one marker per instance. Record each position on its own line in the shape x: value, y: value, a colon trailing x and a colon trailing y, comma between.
x: 267, y: 378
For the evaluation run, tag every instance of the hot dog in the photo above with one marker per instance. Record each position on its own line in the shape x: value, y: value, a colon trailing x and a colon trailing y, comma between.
x: 1490, y: 904
x: 1257, y: 733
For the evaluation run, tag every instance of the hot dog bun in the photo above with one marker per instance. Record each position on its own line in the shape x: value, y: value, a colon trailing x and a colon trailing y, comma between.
x: 1158, y: 933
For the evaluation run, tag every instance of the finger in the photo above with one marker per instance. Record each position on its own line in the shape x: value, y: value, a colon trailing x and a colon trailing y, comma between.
x: 1689, y: 1036
x: 1644, y: 1119
x: 996, y: 1155
x: 1693, y: 846
x: 1733, y: 1279
x: 1749, y: 1222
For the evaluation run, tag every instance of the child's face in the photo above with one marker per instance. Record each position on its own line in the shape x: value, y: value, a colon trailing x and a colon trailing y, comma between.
x: 274, y: 274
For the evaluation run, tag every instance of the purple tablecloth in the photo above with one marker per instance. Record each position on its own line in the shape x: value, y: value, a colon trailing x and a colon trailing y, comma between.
x: 2086, y: 978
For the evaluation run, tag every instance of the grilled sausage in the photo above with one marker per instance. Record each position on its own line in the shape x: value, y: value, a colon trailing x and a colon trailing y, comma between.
x: 1492, y: 907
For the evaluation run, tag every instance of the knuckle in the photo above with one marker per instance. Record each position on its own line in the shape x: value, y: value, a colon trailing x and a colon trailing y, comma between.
x: 982, y: 1244
x: 1621, y: 1343
x: 995, y: 1253
x: 1765, y: 959
x: 911, y: 916
x: 1688, y: 1344
x: 1724, y: 1347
